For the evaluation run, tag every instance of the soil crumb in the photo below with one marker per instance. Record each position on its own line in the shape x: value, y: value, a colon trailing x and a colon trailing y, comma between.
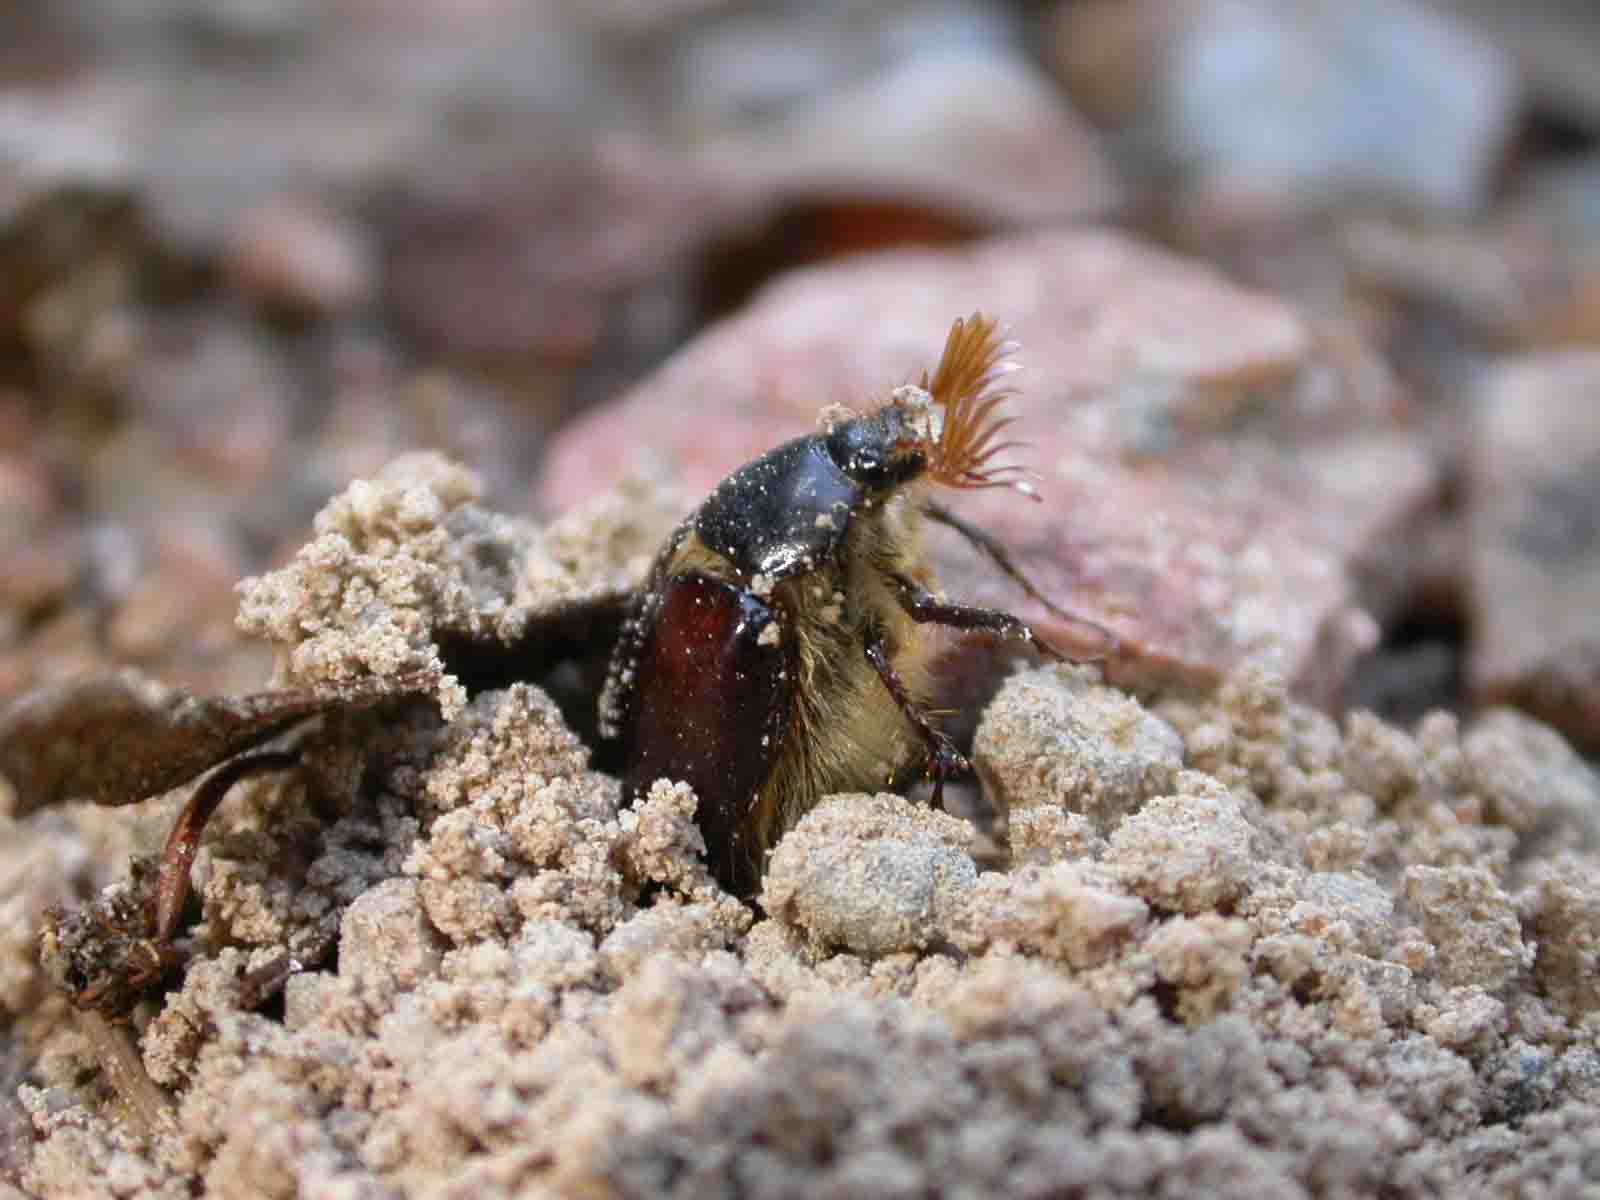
x: 1240, y: 948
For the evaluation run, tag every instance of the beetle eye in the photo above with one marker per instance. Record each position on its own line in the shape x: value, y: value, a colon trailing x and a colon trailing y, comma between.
x: 873, y: 472
x: 869, y: 468
x: 857, y: 454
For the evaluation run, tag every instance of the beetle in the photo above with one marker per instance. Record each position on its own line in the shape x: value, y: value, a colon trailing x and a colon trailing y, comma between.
x: 780, y: 648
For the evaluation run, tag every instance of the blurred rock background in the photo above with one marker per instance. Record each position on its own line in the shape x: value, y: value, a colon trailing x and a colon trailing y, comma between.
x: 1312, y: 290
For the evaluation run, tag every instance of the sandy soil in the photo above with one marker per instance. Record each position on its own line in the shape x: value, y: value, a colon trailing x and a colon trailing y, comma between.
x: 1238, y: 949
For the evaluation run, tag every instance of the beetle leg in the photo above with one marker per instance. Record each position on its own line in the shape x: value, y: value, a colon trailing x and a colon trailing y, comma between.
x: 944, y: 760
x: 925, y: 608
x: 1001, y: 558
x: 172, y: 884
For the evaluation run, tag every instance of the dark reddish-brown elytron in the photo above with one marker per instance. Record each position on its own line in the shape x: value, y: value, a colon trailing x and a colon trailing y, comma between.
x: 779, y: 651
x: 727, y: 702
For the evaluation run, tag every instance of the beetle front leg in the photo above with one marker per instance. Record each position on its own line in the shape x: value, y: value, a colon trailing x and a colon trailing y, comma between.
x: 945, y: 760
x: 927, y: 609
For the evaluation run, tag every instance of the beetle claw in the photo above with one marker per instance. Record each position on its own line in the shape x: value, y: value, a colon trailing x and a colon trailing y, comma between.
x: 946, y: 762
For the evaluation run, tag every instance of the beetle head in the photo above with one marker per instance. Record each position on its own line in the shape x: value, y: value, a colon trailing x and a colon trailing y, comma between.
x: 888, y: 447
x: 946, y: 427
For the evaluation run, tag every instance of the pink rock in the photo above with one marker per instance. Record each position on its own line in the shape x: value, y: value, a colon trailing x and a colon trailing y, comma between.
x: 975, y: 136
x: 531, y: 262
x: 1216, y: 485
x: 1555, y: 43
x: 37, y: 547
x: 1326, y: 98
x: 208, y: 397
x: 1108, y: 53
x: 1534, y: 520
x: 296, y: 255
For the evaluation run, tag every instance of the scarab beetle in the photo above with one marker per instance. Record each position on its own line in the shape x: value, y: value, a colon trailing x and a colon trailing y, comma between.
x: 779, y: 650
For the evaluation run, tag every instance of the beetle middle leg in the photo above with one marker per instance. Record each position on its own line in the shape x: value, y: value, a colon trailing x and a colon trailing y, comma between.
x: 944, y: 760
x: 923, y: 607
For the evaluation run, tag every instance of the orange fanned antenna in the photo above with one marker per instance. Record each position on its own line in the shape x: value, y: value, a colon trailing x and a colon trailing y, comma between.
x: 968, y: 386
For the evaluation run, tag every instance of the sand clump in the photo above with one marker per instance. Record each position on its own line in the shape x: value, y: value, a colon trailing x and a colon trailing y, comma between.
x: 1241, y: 949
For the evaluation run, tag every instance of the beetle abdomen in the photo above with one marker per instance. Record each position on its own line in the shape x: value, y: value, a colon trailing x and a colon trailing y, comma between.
x: 713, y: 694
